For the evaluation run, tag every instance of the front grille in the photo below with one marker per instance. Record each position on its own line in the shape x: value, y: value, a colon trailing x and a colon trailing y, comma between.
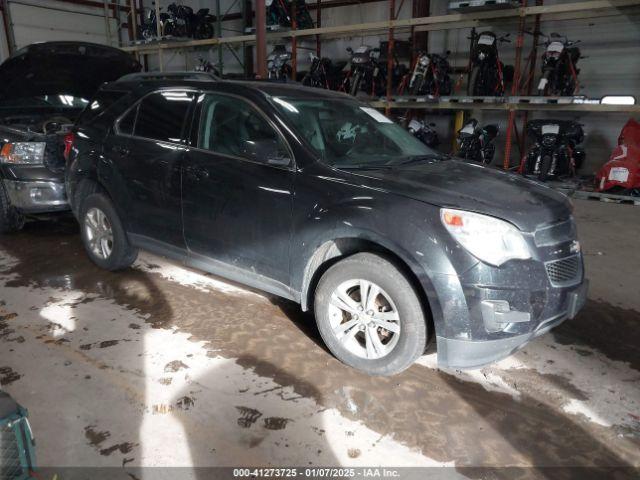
x: 565, y: 272
x: 557, y: 233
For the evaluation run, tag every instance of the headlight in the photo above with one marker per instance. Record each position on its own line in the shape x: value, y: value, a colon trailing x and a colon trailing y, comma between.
x: 29, y: 153
x: 490, y: 240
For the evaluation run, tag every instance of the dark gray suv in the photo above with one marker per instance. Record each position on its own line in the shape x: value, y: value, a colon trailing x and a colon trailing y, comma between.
x: 315, y: 197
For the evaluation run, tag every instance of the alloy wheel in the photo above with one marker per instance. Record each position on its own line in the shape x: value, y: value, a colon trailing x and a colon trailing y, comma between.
x: 364, y: 319
x: 99, y: 233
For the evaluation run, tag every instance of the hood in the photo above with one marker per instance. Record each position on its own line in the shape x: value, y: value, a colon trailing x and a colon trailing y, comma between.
x: 56, y: 68
x: 457, y: 184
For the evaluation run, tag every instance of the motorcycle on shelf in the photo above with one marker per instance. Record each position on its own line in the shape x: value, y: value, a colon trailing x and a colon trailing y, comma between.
x: 278, y: 67
x: 488, y: 75
x: 476, y: 143
x: 279, y: 13
x: 430, y: 75
x: 205, y: 65
x: 424, y: 132
x: 559, y: 66
x: 149, y: 28
x: 178, y: 21
x: 555, y: 152
x: 323, y: 73
x: 365, y: 73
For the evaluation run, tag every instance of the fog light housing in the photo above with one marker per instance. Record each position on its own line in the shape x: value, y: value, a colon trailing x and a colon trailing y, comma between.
x: 497, y: 315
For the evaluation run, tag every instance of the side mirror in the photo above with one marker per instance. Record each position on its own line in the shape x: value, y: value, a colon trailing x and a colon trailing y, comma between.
x: 349, y: 49
x: 266, y: 151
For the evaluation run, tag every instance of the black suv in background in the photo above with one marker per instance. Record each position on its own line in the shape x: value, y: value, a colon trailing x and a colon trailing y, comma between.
x: 43, y: 89
x: 318, y: 198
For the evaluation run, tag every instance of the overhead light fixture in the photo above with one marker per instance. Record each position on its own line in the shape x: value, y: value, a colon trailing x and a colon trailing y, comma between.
x: 618, y: 100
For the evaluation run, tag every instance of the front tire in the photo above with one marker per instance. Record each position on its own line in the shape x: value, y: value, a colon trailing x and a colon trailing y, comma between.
x: 369, y: 315
x: 103, y: 235
x: 545, y: 167
x: 10, y: 219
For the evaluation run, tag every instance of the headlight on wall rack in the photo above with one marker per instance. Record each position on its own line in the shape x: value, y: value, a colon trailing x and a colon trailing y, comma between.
x: 23, y: 153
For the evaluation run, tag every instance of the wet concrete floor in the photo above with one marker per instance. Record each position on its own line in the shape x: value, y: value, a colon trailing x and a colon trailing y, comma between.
x: 162, y: 365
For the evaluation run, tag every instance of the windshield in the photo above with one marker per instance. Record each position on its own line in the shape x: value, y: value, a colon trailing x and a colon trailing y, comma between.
x: 58, y: 101
x: 348, y: 134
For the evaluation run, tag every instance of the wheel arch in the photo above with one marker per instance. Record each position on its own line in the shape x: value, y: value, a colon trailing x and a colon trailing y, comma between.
x: 332, y: 251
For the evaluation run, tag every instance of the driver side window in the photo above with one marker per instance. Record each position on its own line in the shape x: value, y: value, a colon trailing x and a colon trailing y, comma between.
x: 230, y: 126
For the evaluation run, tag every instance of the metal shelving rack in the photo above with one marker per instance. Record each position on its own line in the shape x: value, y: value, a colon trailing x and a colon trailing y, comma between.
x: 572, y: 10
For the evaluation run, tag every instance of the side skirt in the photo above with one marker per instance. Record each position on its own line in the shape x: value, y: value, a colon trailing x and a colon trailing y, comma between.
x: 215, y: 267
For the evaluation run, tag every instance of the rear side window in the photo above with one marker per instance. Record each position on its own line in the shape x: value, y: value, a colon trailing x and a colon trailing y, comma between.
x: 162, y: 115
x: 126, y: 124
x: 103, y: 100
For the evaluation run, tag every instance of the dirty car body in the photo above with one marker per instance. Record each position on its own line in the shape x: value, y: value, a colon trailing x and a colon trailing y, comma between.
x: 282, y: 226
x: 43, y: 89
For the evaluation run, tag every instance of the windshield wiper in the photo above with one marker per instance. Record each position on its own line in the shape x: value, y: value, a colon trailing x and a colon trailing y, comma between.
x: 423, y: 158
x: 362, y: 166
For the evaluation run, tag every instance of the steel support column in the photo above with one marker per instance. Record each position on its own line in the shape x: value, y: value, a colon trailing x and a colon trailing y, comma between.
x: 531, y: 76
x: 318, y: 25
x: 294, y: 42
x: 8, y: 26
x: 390, y: 50
x: 247, y: 50
x: 261, y: 39
x: 219, y: 29
x: 506, y: 164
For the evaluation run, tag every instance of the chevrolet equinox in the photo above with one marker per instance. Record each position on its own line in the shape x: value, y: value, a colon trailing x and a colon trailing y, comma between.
x: 313, y: 196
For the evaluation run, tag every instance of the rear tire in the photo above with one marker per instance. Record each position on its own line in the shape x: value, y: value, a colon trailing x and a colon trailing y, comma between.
x: 354, y: 86
x: 353, y: 329
x: 103, y: 235
x: 473, y: 80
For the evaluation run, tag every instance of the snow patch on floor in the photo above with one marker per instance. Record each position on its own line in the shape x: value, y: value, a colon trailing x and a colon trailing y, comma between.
x: 576, y: 407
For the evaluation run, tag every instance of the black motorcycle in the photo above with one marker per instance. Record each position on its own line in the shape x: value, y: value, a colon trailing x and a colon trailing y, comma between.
x: 201, y: 25
x: 278, y: 64
x: 555, y: 152
x: 365, y: 73
x: 488, y: 74
x: 476, y: 143
x: 149, y: 28
x: 323, y: 73
x: 559, y: 66
x: 424, y: 132
x: 180, y: 24
x: 206, y: 66
x: 430, y: 75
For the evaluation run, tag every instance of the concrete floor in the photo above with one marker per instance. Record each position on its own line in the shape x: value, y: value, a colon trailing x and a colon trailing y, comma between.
x: 165, y: 366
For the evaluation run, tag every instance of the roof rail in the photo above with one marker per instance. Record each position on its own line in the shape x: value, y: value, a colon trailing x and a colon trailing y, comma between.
x: 141, y: 76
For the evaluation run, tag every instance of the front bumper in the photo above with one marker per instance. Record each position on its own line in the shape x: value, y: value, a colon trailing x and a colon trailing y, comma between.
x: 36, y: 196
x: 461, y: 353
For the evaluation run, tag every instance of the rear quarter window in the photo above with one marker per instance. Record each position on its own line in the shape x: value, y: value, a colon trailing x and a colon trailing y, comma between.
x: 102, y: 102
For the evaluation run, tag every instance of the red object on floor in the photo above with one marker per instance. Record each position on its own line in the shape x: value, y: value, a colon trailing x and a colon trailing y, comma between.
x: 622, y: 171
